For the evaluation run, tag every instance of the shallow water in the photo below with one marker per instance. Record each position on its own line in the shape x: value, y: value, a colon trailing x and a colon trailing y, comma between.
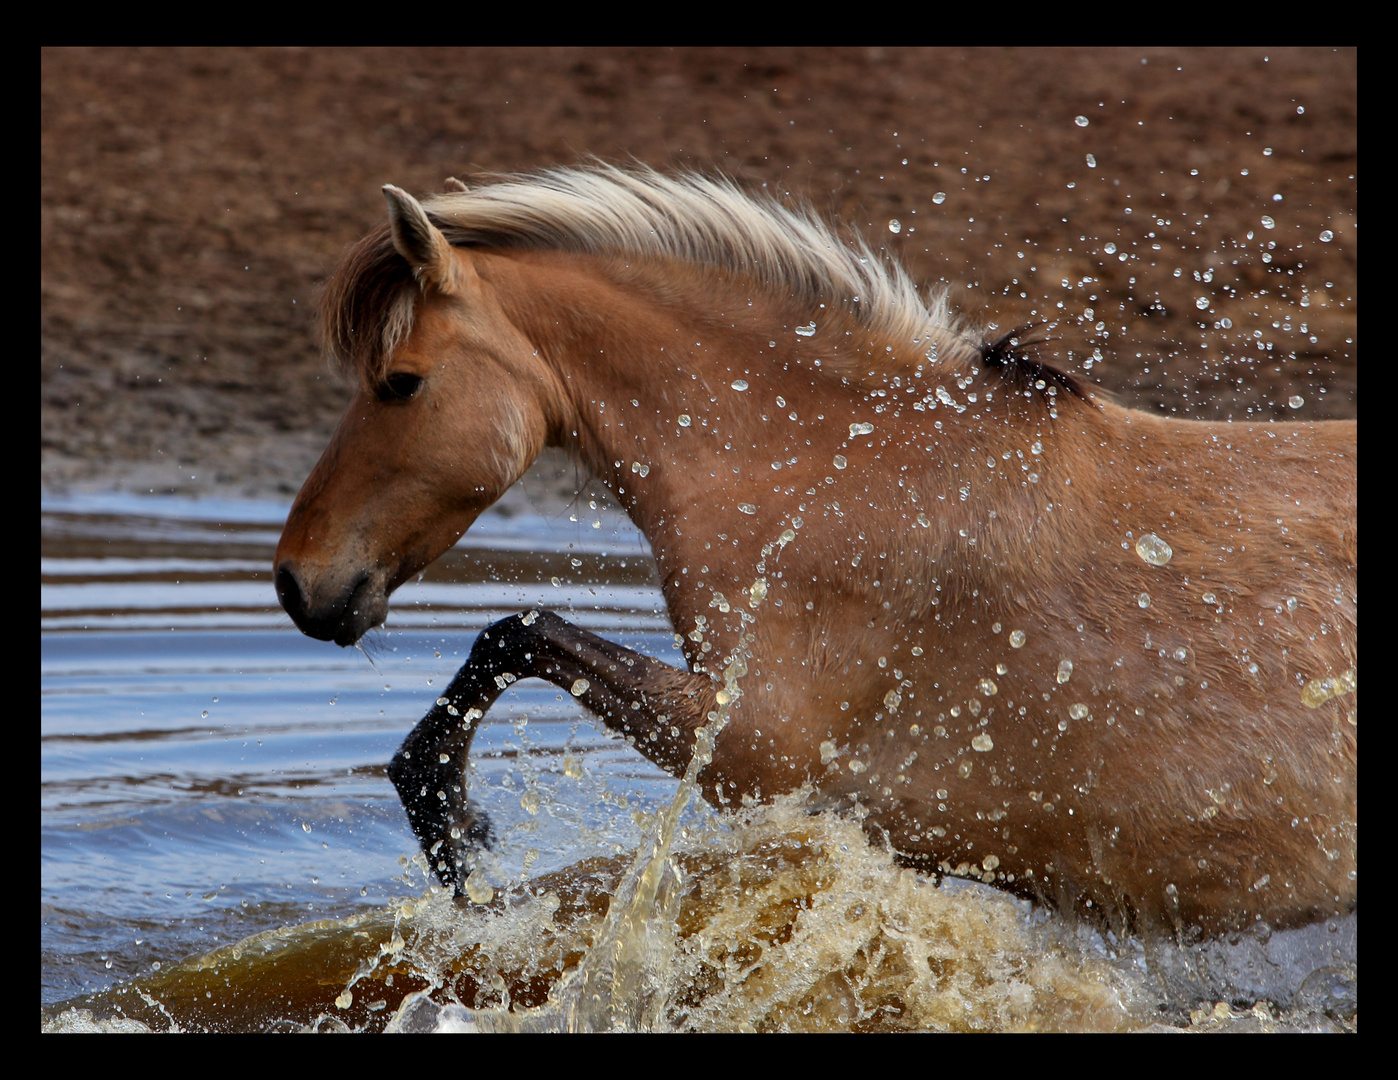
x: 221, y: 848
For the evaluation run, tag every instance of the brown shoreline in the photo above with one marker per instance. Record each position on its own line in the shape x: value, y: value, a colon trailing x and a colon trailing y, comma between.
x: 193, y: 200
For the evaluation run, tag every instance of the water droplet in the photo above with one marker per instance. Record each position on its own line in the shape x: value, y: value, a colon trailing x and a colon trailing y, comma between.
x: 827, y: 752
x: 922, y: 520
x: 344, y: 1000
x: 895, y: 226
x: 840, y: 461
x: 684, y: 420
x: 1037, y: 447
x: 758, y: 592
x: 739, y: 384
x: 1154, y: 550
x: 1077, y: 711
x: 1180, y: 654
x: 1016, y: 639
x: 990, y: 862
x: 1296, y: 401
x: 1318, y: 691
x: 572, y: 767
x: 1143, y: 601
x: 939, y: 198
x: 1209, y: 598
x: 1091, y: 162
x: 1065, y: 670
x: 1268, y: 223
x: 747, y: 508
x: 478, y: 889
x: 579, y: 687
x: 1081, y: 121
x: 306, y: 826
x: 530, y: 802
x: 1326, y: 236
x: 982, y: 742
x: 808, y: 330
x: 204, y: 715
x: 1202, y: 303
x: 528, y: 618
x: 988, y: 687
x: 861, y: 429
x: 964, y: 769
x: 892, y: 700
x: 1292, y: 604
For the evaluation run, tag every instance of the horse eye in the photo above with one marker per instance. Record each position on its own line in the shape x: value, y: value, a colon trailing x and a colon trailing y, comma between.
x: 399, y: 385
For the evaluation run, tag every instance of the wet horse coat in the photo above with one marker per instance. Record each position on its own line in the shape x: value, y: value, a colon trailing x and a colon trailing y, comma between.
x: 1089, y: 654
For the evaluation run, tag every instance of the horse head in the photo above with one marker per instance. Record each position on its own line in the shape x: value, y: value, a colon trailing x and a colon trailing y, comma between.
x: 450, y: 410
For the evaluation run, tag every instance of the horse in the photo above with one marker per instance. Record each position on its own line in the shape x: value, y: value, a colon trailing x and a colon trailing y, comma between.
x: 1094, y: 656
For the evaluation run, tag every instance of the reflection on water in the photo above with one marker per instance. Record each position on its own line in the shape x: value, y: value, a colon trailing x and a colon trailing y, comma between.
x: 222, y: 850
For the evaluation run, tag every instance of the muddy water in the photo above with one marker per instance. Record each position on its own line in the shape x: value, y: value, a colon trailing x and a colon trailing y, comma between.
x: 221, y: 848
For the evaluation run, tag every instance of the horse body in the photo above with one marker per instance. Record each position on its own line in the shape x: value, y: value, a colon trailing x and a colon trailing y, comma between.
x: 921, y: 575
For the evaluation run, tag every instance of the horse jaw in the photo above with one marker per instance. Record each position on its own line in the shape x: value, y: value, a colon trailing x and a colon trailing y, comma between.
x: 334, y: 570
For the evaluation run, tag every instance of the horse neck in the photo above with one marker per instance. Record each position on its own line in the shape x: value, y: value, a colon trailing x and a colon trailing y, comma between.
x: 677, y: 340
x: 637, y: 348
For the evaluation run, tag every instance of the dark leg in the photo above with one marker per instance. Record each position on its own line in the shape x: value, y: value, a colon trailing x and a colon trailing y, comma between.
x: 657, y: 707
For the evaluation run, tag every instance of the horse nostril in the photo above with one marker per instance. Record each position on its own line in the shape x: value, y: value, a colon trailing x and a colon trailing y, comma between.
x: 289, y: 592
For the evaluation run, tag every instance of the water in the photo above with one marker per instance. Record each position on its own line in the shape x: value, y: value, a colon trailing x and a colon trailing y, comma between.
x: 221, y: 848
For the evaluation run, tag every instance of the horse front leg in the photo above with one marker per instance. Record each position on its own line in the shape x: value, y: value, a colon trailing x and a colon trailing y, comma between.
x: 657, y: 707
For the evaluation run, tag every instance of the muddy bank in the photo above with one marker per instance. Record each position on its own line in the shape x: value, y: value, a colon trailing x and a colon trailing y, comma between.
x: 193, y: 201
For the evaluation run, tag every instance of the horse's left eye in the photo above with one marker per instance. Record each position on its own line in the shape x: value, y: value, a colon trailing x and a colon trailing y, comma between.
x: 399, y: 385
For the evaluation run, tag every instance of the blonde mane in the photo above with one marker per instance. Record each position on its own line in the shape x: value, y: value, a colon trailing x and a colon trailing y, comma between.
x: 600, y: 209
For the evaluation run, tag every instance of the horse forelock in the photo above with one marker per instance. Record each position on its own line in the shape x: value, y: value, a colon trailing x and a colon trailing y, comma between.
x: 367, y: 308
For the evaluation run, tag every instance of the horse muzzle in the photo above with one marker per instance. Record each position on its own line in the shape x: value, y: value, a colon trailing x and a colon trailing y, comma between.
x: 342, y: 615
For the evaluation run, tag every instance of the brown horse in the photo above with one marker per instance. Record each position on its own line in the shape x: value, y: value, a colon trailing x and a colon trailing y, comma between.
x: 1089, y: 654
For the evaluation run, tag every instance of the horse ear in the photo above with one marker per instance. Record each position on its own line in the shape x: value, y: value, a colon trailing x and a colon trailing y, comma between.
x: 421, y: 242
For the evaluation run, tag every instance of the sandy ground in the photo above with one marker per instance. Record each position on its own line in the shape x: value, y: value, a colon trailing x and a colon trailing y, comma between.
x: 193, y: 201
